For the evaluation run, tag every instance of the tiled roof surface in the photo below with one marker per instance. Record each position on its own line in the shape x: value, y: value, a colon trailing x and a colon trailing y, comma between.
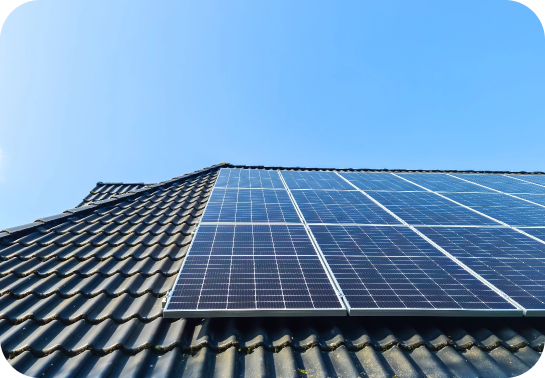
x: 103, y: 191
x: 81, y: 292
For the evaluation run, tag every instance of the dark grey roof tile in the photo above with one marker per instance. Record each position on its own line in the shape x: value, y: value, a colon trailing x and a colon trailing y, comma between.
x: 434, y: 337
x: 399, y: 362
x: 84, y: 296
x: 485, y: 338
x: 527, y: 355
x: 427, y: 363
x: 95, y: 310
x: 22, y: 227
x: 483, y: 363
x: 532, y: 335
x: 455, y: 363
x: 509, y: 362
x: 115, y: 285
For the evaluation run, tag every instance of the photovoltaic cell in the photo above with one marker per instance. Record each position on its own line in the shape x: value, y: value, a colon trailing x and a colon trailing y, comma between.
x: 537, y: 198
x: 429, y: 208
x: 439, y: 182
x: 379, y: 181
x: 537, y: 232
x: 510, y: 210
x: 248, y: 178
x: 509, y: 260
x: 250, y: 205
x: 394, y: 268
x: 330, y: 206
x: 487, y: 199
x: 232, y: 269
x: 536, y: 179
x: 314, y: 180
x: 503, y: 183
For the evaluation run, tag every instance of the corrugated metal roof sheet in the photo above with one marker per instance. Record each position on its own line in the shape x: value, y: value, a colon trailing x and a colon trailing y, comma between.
x: 80, y: 295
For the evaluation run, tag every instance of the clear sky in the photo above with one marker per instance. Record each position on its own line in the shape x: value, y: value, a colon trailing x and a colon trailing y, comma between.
x: 142, y: 91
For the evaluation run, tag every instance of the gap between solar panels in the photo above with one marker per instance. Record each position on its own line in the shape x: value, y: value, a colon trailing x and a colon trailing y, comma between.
x: 297, y: 243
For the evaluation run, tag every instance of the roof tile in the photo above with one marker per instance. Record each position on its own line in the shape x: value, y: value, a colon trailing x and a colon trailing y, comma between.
x: 81, y: 295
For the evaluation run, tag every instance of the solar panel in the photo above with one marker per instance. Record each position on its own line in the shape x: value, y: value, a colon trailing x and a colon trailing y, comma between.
x: 488, y: 199
x: 536, y: 179
x: 391, y: 270
x: 255, y: 253
x: 442, y: 183
x: 250, y: 205
x: 379, y: 181
x: 509, y: 260
x: 330, y: 206
x: 418, y: 208
x: 252, y: 270
x: 248, y: 178
x: 503, y: 183
x: 537, y: 232
x: 314, y: 180
x: 507, y: 209
x: 536, y: 198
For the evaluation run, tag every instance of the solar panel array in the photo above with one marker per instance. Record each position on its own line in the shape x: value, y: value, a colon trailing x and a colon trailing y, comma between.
x: 252, y: 255
x: 284, y: 242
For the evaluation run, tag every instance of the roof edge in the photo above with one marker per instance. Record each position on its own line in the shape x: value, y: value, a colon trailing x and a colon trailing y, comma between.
x: 381, y: 170
x: 24, y: 229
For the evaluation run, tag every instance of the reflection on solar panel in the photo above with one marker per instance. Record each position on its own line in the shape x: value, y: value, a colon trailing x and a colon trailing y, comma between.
x: 503, y: 183
x: 250, y: 205
x: 237, y: 270
x: 314, y: 180
x: 509, y: 260
x: 248, y: 178
x: 255, y: 251
x: 379, y: 181
x: 428, y: 208
x: 536, y: 179
x: 537, y: 232
x: 442, y: 182
x: 388, y: 270
x: 507, y: 209
x: 330, y: 206
x: 536, y: 198
x: 488, y: 199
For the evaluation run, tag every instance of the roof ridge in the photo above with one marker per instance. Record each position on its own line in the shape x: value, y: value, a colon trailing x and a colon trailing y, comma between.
x: 123, y: 183
x: 53, y: 219
x: 384, y: 170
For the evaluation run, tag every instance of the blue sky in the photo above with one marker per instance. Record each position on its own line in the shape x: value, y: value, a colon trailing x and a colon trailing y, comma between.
x: 142, y: 91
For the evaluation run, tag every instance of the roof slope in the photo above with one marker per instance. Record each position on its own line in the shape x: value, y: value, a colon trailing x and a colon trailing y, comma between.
x: 103, y: 191
x: 80, y: 294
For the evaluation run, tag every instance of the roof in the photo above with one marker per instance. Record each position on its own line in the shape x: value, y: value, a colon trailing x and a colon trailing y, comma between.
x: 81, y: 292
x: 107, y: 190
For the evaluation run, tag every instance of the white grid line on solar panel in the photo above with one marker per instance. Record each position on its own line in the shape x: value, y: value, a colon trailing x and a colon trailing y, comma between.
x: 461, y: 264
x: 536, y: 232
x: 394, y: 268
x: 502, y: 183
x: 252, y: 267
x: 514, y: 228
x: 503, y: 207
x: 378, y: 181
x: 442, y: 183
x: 511, y: 261
x: 538, y: 199
x: 248, y: 178
x: 491, y: 199
x: 340, y: 207
x: 250, y: 205
x: 428, y: 208
x: 537, y: 179
x: 314, y: 180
